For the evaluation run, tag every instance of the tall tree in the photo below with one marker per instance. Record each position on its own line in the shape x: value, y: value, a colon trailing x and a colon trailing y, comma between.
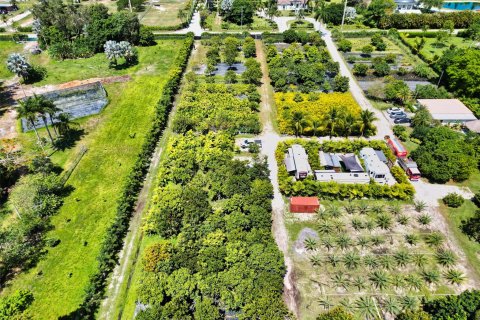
x: 367, y: 118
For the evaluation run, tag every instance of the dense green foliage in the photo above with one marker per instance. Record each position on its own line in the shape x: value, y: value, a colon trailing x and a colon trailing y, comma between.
x: 214, y: 107
x: 71, y: 31
x: 337, y: 313
x: 444, y: 154
x: 12, y: 306
x: 304, y: 68
x: 238, y: 11
x: 461, y: 19
x: 332, y: 190
x: 113, y: 240
x: 464, y: 306
x: 430, y: 91
x: 453, y: 200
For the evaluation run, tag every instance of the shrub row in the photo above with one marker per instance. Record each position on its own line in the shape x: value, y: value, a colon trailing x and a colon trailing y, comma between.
x: 428, y: 34
x: 113, y: 241
x: 363, y: 34
x: 403, y: 39
x: 461, y: 19
x: 169, y: 36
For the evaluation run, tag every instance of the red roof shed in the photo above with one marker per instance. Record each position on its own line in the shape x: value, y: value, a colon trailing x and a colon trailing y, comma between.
x: 304, y: 204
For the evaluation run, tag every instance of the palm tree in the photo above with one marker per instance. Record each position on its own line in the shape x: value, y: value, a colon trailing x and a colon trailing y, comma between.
x: 402, y: 258
x: 64, y: 123
x: 395, y: 209
x: 367, y: 118
x: 424, y: 219
x: 370, y: 262
x: 359, y: 283
x: 298, y: 122
x: 412, y: 239
x: 28, y: 109
x: 43, y: 106
x: 348, y: 122
x: 454, y: 276
x: 409, y: 303
x: 366, y: 307
x: 387, y: 262
x: 340, y: 280
x: 403, y: 219
x: 445, y: 257
x: 384, y: 221
x: 379, y: 279
x: 434, y: 239
x: 349, y: 208
x: 328, y: 243
x: 333, y: 259
x: 51, y: 109
x: 414, y: 281
x: 351, y: 260
x: 431, y: 276
x: 316, y: 124
x: 363, y: 208
x: 419, y: 206
x: 310, y: 244
x: 332, y: 120
x: 420, y: 260
x: 391, y: 306
x: 315, y: 261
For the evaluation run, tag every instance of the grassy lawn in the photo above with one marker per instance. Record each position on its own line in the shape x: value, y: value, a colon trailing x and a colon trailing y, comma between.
x: 359, y: 43
x: 59, y: 280
x: 218, y: 25
x: 432, y: 48
x: 6, y: 48
x: 163, y: 14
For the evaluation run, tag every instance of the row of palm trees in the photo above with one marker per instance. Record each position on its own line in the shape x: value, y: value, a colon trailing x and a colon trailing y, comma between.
x: 335, y: 122
x: 38, y: 106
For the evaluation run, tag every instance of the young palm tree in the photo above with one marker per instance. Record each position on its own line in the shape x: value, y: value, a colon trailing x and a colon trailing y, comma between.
x: 387, y: 262
x: 366, y: 307
x: 377, y: 240
x: 409, y: 303
x: 351, y: 260
x: 431, y: 276
x: 370, y: 262
x: 51, y: 109
x: 357, y: 223
x: 395, y: 209
x: 445, y: 258
x: 344, y: 241
x: 349, y: 208
x: 43, y: 107
x: 334, y: 260
x: 370, y: 225
x: 347, y: 304
x: 363, y: 242
x: 328, y: 243
x: 310, y: 244
x: 379, y: 279
x: 363, y: 208
x: 419, y: 206
x: 316, y: 124
x: 334, y: 211
x: 398, y: 282
x: 298, y: 122
x: 414, y: 282
x: 316, y: 261
x: 391, y: 306
x: 412, y: 239
x: 402, y: 258
x: 378, y: 208
x: 367, y: 118
x: 420, y: 260
x: 340, y: 280
x: 63, y: 124
x: 332, y: 120
x: 384, y: 221
x: 359, y: 283
x: 403, y: 219
x: 338, y: 225
x: 325, y: 227
x: 325, y: 303
x: 348, y: 123
x: 424, y: 219
x: 454, y: 276
x: 434, y: 239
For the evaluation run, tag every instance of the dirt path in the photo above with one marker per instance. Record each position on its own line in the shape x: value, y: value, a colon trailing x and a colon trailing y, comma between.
x: 270, y: 141
x: 131, y: 249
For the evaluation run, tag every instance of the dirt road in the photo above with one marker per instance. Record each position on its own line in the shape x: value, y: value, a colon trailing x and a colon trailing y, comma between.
x: 270, y: 140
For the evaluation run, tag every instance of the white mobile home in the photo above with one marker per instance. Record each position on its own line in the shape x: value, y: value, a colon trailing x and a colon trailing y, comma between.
x: 376, y: 169
x: 296, y: 161
x: 342, y: 177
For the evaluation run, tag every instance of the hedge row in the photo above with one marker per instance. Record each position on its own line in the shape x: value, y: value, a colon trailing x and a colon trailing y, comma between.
x: 177, y: 26
x: 461, y: 19
x: 402, y: 190
x: 363, y: 34
x: 169, y: 36
x: 428, y: 34
x: 403, y: 39
x: 113, y: 242
x: 223, y: 35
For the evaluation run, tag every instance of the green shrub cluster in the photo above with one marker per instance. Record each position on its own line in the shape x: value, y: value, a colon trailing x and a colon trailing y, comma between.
x: 461, y: 20
x: 453, y: 200
x: 402, y: 190
x: 113, y: 241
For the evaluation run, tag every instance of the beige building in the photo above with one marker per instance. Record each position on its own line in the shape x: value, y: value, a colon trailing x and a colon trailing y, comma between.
x: 447, y: 110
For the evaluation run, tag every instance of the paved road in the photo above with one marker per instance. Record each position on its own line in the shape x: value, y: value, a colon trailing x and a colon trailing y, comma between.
x: 14, y: 19
x: 194, y: 26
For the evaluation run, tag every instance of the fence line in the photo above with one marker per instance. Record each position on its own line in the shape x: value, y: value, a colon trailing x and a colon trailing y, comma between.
x: 69, y: 171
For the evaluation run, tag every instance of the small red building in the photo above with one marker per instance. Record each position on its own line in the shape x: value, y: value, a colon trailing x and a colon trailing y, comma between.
x: 304, y: 204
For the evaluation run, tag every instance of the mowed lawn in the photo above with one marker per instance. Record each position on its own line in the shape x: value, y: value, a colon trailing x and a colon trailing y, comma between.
x: 59, y: 280
x: 164, y: 13
x: 6, y: 48
x: 432, y: 47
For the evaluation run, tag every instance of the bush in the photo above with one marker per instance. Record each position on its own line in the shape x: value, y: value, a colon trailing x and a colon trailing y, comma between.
x: 400, y: 132
x: 380, y: 67
x: 249, y: 49
x: 290, y: 36
x: 360, y: 69
x: 453, y: 200
x: 146, y: 37
x: 344, y: 45
x: 341, y: 83
x: 476, y: 199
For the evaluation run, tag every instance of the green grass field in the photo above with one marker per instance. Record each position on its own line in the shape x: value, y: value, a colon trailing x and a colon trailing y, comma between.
x: 59, y: 280
x: 217, y: 25
x: 6, y: 48
x: 164, y: 13
x: 432, y: 48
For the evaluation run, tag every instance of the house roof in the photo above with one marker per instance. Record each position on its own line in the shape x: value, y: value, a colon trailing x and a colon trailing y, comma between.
x: 381, y: 156
x: 473, y: 126
x: 447, y: 109
x: 372, y: 162
x: 352, y: 163
x: 305, y: 201
x: 329, y: 160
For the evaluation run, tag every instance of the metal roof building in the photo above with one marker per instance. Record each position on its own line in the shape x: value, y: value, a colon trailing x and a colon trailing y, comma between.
x: 376, y: 169
x: 448, y: 110
x: 341, y: 177
x: 296, y: 160
x: 329, y: 160
x: 351, y: 162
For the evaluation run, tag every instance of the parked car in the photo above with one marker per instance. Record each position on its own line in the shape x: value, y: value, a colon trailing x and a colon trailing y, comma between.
x: 394, y: 109
x: 402, y: 120
x: 398, y: 115
x: 247, y: 142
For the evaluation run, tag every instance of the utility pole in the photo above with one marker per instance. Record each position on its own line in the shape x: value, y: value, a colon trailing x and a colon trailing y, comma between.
x: 130, y: 5
x: 343, y: 17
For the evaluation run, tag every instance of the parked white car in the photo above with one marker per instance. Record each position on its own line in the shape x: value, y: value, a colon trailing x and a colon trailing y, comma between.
x: 394, y: 110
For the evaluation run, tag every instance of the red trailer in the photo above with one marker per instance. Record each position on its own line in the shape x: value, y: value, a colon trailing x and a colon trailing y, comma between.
x: 397, y: 148
x: 304, y: 204
x: 411, y: 168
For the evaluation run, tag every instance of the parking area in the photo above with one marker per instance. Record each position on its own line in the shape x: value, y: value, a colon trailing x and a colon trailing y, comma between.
x: 398, y: 116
